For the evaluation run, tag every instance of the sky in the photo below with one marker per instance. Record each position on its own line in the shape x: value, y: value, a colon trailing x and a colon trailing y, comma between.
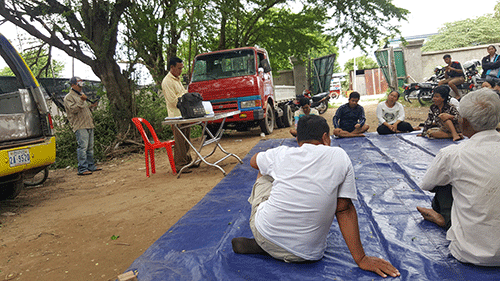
x: 426, y: 16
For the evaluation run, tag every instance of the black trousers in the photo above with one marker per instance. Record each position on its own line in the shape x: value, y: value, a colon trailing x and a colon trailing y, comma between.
x: 402, y: 127
x: 442, y: 202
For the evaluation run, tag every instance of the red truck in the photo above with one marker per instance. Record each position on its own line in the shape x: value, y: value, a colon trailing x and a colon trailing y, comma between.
x: 241, y: 79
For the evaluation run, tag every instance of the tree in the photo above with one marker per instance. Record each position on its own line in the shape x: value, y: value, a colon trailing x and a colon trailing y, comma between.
x: 362, y: 62
x: 87, y: 31
x: 464, y: 33
x: 284, y: 34
x: 468, y: 32
x: 40, y: 62
x: 362, y: 23
x: 223, y: 24
x: 154, y: 29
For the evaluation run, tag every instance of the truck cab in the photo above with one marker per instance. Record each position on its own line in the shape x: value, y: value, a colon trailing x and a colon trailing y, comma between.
x: 238, y: 79
x: 27, y: 140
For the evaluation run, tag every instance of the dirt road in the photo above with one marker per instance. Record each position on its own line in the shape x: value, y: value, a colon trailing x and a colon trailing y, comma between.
x: 65, y: 229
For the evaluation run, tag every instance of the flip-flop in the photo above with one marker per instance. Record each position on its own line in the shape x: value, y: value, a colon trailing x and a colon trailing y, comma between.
x: 97, y: 169
x: 86, y: 173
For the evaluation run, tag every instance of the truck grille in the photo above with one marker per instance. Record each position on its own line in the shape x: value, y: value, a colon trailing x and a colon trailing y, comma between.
x: 224, y: 106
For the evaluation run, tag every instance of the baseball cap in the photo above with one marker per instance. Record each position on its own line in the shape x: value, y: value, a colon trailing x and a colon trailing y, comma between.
x: 74, y: 80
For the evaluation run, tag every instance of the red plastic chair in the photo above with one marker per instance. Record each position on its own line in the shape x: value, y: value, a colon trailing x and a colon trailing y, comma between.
x: 150, y: 147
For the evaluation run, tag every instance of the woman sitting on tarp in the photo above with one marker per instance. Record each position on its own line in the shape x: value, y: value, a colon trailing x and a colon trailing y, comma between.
x: 442, y: 122
x: 391, y: 116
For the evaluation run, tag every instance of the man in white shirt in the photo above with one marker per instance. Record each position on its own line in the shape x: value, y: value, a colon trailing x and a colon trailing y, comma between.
x: 297, y: 194
x: 470, y: 173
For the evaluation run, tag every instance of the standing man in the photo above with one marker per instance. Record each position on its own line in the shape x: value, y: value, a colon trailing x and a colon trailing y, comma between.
x: 466, y: 181
x: 454, y: 75
x: 297, y: 194
x: 172, y: 89
x: 349, y: 120
x: 80, y: 119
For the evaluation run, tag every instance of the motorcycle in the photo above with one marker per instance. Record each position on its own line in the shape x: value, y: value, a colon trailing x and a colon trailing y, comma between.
x: 423, y: 91
x: 318, y: 101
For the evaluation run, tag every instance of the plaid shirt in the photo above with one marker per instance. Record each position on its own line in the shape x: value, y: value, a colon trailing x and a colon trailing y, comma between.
x: 434, y: 121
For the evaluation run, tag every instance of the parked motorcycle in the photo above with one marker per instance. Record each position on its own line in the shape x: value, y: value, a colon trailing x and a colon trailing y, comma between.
x: 414, y: 90
x: 423, y: 91
x: 318, y: 101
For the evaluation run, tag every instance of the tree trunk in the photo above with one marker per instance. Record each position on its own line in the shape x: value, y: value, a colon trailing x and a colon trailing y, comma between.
x: 222, y: 36
x: 119, y: 93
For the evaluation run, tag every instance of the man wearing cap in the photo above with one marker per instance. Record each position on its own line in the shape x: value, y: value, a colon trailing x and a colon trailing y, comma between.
x: 80, y: 119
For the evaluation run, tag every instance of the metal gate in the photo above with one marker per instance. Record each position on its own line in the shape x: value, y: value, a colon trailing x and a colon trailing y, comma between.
x: 322, y: 70
x: 391, y: 61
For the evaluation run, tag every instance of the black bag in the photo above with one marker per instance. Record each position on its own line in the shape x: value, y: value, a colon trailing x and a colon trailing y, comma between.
x: 191, y: 106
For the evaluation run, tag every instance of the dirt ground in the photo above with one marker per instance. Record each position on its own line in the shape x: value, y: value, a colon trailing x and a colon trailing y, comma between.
x: 63, y: 229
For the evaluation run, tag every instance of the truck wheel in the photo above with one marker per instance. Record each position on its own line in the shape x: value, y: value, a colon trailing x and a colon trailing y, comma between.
x: 279, y: 120
x: 12, y: 188
x: 288, y: 116
x: 267, y: 124
x: 39, y: 178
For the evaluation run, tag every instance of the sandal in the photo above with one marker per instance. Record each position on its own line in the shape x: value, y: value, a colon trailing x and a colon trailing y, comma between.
x: 86, y: 173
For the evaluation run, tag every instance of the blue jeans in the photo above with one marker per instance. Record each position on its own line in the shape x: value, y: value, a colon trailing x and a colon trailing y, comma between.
x: 85, y: 150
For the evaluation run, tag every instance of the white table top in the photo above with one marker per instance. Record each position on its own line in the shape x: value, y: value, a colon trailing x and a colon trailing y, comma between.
x: 200, y: 119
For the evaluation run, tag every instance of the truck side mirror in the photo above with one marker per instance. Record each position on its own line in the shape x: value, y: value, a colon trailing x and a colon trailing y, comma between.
x: 265, y: 64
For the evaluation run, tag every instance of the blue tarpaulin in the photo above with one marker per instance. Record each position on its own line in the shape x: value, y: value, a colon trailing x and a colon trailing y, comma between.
x: 388, y: 170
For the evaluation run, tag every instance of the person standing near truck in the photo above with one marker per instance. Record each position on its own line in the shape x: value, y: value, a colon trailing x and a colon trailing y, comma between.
x: 172, y: 89
x: 80, y: 118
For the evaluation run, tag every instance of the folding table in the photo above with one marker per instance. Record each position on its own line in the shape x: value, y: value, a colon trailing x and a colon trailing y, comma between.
x: 181, y: 123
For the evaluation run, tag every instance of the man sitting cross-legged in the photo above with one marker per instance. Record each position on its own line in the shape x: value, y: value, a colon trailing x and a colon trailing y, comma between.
x: 349, y: 120
x: 297, y: 194
x: 467, y: 183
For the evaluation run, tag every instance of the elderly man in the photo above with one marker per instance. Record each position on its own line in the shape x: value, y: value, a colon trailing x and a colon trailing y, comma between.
x: 467, y: 183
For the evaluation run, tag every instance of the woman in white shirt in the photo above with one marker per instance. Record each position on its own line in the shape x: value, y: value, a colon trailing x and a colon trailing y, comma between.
x: 391, y: 115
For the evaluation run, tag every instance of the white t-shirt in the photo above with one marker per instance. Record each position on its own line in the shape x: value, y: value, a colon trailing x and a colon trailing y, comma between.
x: 454, y: 102
x: 472, y: 169
x: 302, y: 204
x: 390, y: 114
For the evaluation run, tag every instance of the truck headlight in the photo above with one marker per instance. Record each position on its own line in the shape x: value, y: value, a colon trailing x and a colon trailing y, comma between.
x: 248, y: 104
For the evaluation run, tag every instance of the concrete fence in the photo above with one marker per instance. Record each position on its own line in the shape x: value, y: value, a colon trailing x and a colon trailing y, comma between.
x: 420, y: 65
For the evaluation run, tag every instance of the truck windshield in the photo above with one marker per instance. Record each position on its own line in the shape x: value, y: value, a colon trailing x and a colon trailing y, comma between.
x: 224, y: 65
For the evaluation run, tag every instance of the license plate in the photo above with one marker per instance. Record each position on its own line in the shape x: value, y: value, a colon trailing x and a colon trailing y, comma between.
x: 19, y: 157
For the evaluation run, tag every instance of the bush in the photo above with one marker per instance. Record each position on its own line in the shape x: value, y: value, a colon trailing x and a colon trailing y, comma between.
x: 150, y: 106
x: 65, y: 143
x: 104, y: 136
x: 153, y: 108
